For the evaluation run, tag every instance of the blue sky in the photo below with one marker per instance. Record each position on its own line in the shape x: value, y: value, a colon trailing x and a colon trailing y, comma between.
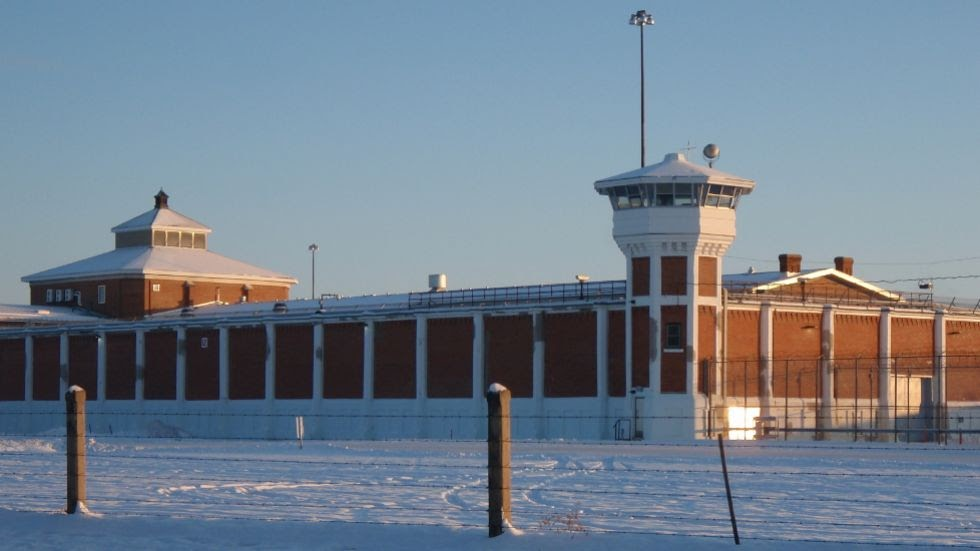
x: 456, y: 137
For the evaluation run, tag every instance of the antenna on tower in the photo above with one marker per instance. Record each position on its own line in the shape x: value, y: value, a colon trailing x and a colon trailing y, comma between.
x: 711, y: 153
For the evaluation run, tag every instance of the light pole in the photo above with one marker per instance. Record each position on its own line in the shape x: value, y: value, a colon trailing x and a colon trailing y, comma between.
x: 313, y: 248
x: 642, y: 19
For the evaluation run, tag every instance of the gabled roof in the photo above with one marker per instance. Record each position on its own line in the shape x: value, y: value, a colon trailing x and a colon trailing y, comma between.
x: 161, y: 218
x: 161, y: 262
x: 675, y: 168
x: 761, y: 282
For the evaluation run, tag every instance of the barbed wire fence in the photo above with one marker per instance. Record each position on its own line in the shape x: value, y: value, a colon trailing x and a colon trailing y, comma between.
x: 784, y: 491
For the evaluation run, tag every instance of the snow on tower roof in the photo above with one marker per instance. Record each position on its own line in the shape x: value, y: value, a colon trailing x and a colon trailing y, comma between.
x: 675, y: 168
x: 160, y: 261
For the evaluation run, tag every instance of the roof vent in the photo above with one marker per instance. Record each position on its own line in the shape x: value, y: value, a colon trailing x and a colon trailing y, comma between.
x: 279, y: 308
x: 160, y: 200
x: 751, y: 270
x: 437, y: 283
x: 187, y: 311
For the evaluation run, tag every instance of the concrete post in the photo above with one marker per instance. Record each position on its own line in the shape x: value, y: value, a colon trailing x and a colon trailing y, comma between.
x: 421, y: 373
x: 939, y: 375
x: 479, y: 370
x: 885, y: 420
x: 368, y: 401
x: 181, y: 364
x: 765, y: 359
x: 101, y: 366
x: 140, y: 364
x: 825, y: 419
x: 538, y: 375
x: 29, y: 368
x: 602, y: 370
x: 224, y: 364
x: 319, y: 353
x: 270, y: 362
x: 498, y: 457
x: 63, y: 363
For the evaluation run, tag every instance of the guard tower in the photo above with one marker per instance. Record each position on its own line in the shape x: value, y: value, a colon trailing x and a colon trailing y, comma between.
x: 674, y: 221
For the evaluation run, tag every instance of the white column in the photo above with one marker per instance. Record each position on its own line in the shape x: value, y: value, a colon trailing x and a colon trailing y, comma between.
x: 101, y: 365
x: 602, y: 369
x: 691, y: 346
x: 224, y: 364
x: 181, y: 364
x: 939, y: 372
x: 421, y: 359
x: 628, y: 340
x: 765, y: 358
x: 319, y: 353
x: 826, y: 417
x: 270, y: 362
x: 29, y: 368
x: 885, y: 420
x: 369, y: 361
x: 655, y: 367
x: 537, y: 373
x: 140, y: 364
x: 63, y: 363
x: 479, y: 359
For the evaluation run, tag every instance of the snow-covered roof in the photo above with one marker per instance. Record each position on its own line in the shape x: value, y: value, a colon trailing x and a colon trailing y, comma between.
x: 38, y: 315
x: 161, y: 218
x: 675, y: 168
x: 160, y: 262
x: 757, y: 282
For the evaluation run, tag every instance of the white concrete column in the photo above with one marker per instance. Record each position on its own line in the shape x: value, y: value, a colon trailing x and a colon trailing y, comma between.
x: 655, y: 361
x: 939, y: 371
x: 691, y: 321
x: 224, y: 364
x: 101, y: 365
x: 885, y: 363
x: 826, y: 417
x: 270, y: 362
x: 63, y: 363
x: 181, y: 364
x: 602, y: 369
x: 28, y: 368
x: 421, y: 359
x: 319, y: 353
x: 538, y: 373
x: 369, y: 361
x: 765, y: 358
x: 140, y: 364
x: 479, y: 360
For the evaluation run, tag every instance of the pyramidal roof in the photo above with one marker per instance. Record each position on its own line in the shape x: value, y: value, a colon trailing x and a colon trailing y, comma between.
x: 161, y: 217
x: 675, y: 168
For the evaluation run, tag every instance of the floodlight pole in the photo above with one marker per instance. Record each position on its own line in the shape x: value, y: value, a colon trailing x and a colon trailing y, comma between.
x: 642, y: 19
x: 313, y: 248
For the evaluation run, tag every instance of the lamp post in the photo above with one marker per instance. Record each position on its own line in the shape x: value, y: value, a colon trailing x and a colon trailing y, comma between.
x: 642, y: 19
x: 313, y: 248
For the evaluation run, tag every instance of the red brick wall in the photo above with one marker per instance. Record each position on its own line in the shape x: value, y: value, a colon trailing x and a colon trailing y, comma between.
x: 294, y: 361
x: 617, y: 353
x: 83, y: 361
x: 673, y: 275
x: 247, y: 352
x: 641, y: 346
x: 343, y: 360
x: 203, y: 353
x: 962, y: 361
x: 856, y: 349
x: 449, y: 358
x: 120, y: 367
x: 394, y: 359
x: 707, y: 322
x: 47, y: 368
x: 12, y: 358
x: 707, y: 276
x: 510, y: 353
x: 912, y: 345
x: 160, y: 371
x: 570, y: 355
x: 641, y: 276
x: 742, y: 373
x: 796, y: 354
x: 673, y: 367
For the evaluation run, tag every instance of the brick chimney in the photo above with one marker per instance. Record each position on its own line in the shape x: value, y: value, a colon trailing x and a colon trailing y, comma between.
x: 789, y: 262
x: 844, y: 264
x: 160, y: 200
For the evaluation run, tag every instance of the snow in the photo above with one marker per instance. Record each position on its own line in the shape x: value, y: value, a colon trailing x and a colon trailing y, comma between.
x: 353, y: 495
x: 163, y: 219
x: 675, y: 167
x: 496, y: 388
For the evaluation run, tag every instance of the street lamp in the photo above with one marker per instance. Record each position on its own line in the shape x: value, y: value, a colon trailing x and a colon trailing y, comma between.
x: 582, y: 280
x: 642, y: 19
x: 313, y: 248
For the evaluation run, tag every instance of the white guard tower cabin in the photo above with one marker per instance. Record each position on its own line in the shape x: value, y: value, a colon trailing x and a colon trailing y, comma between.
x: 674, y: 221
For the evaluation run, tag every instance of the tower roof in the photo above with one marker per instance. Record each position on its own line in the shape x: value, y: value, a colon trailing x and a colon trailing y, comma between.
x: 675, y: 168
x: 161, y: 216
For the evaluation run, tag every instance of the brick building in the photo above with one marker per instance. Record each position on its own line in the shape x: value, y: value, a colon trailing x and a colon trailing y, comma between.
x: 677, y: 350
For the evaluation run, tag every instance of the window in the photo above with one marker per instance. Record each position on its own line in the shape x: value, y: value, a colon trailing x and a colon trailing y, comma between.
x: 155, y: 287
x: 68, y: 295
x: 101, y: 294
x: 57, y: 295
x: 673, y: 338
x: 49, y: 295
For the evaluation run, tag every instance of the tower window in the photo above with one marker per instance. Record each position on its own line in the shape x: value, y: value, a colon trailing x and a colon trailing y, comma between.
x: 672, y: 338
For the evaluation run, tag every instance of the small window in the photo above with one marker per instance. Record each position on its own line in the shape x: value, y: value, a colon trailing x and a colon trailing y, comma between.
x: 199, y: 241
x: 57, y: 295
x: 186, y: 240
x: 159, y: 239
x: 68, y: 295
x: 101, y: 294
x: 673, y: 336
x: 155, y: 287
x: 49, y: 295
x: 173, y: 238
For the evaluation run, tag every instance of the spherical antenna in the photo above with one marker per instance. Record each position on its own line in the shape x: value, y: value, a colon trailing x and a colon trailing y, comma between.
x: 711, y: 153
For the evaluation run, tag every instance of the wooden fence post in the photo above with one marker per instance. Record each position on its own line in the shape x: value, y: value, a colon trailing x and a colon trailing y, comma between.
x: 728, y: 489
x: 75, y: 449
x: 498, y: 464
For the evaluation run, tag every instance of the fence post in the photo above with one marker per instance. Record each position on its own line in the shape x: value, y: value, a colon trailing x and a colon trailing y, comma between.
x: 498, y: 450
x: 75, y: 449
x: 728, y: 489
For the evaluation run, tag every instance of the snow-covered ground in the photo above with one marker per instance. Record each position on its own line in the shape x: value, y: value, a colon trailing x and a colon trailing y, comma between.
x: 208, y: 494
